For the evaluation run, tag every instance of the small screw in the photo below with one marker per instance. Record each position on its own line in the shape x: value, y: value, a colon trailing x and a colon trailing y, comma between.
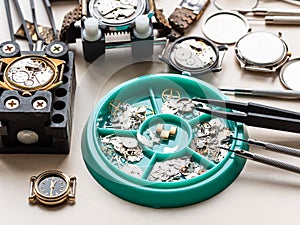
x: 8, y: 48
x: 56, y: 48
x: 12, y: 103
x: 39, y: 104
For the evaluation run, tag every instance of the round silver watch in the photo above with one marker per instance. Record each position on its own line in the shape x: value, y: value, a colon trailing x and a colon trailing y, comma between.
x: 261, y: 51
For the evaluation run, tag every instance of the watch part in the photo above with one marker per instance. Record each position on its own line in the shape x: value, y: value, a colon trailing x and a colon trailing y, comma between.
x: 116, y: 12
x: 241, y: 4
x: 225, y: 27
x: 46, y: 33
x: 192, y: 55
x: 261, y: 51
x: 52, y: 187
x: 30, y: 73
x: 187, y: 13
x: 289, y: 74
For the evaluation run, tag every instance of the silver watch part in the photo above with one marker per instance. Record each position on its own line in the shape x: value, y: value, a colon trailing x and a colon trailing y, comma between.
x: 289, y: 74
x: 192, y: 55
x: 225, y: 27
x: 261, y: 51
x: 241, y: 4
x: 116, y: 13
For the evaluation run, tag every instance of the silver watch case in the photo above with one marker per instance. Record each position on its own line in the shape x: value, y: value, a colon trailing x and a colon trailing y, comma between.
x: 113, y: 5
x: 261, y: 51
x: 205, y: 53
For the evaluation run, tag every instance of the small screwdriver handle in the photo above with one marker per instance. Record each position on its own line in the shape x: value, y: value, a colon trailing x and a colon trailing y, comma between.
x: 276, y: 148
x: 282, y: 20
x: 288, y: 94
x: 275, y: 163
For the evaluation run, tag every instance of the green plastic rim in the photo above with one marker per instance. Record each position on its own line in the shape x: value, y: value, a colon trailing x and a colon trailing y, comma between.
x: 146, y: 90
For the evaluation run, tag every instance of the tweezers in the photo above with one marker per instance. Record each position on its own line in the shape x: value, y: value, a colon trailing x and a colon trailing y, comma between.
x: 253, y: 114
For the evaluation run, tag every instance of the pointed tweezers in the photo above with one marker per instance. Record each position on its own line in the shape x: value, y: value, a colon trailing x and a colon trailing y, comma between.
x: 254, y: 114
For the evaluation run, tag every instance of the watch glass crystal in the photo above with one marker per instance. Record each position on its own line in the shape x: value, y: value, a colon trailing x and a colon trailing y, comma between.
x: 52, y: 186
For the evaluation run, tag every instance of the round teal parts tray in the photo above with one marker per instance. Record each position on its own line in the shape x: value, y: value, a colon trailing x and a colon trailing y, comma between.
x: 146, y: 143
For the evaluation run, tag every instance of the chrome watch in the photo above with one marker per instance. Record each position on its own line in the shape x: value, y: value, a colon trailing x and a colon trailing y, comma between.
x: 30, y: 73
x: 52, y: 187
x: 194, y: 55
x: 261, y: 51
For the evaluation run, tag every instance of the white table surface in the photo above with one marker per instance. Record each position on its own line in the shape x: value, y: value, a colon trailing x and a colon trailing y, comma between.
x: 260, y: 195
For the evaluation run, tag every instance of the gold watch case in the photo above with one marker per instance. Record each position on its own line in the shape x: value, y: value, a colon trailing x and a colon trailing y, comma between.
x: 30, y: 73
x: 52, y: 187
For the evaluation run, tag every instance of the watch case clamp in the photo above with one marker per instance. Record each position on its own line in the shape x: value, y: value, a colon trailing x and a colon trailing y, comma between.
x: 39, y: 122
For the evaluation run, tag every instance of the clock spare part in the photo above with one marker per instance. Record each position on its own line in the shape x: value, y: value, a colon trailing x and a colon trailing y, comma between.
x: 146, y: 143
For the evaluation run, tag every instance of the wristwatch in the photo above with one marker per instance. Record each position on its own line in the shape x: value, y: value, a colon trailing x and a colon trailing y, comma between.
x: 30, y: 73
x: 194, y: 55
x: 52, y: 187
x: 261, y: 51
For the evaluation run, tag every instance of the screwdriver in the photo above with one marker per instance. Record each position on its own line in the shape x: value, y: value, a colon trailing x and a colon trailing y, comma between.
x: 286, y: 94
x: 271, y: 12
x: 271, y: 147
x: 264, y: 160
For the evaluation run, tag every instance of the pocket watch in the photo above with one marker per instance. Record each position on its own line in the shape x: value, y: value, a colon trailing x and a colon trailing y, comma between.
x: 52, y: 187
x: 261, y: 51
x: 30, y: 73
x: 193, y: 55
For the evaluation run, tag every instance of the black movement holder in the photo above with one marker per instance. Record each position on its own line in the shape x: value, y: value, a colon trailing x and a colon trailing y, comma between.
x: 51, y: 125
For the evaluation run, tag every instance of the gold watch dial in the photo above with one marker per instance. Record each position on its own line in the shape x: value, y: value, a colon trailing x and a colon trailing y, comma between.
x: 30, y: 73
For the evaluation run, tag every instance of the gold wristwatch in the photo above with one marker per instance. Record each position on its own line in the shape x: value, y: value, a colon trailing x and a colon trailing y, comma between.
x: 30, y: 73
x: 52, y: 187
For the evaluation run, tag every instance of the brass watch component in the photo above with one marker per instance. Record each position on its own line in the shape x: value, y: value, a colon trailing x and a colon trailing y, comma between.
x: 170, y: 95
x: 46, y: 33
x: 30, y: 73
x: 52, y: 187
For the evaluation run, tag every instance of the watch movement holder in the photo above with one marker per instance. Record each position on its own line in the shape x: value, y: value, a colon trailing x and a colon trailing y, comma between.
x: 40, y: 123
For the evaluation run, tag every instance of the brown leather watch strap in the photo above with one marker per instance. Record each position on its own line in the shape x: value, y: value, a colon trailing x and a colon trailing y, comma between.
x: 68, y: 32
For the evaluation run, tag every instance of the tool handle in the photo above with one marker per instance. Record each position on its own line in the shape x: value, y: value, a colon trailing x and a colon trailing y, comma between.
x: 276, y: 148
x: 275, y: 163
x: 282, y: 20
x: 286, y: 94
x: 275, y: 12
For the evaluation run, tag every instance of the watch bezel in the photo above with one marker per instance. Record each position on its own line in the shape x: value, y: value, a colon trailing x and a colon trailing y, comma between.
x: 54, y: 199
x: 193, y: 71
x: 123, y: 24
